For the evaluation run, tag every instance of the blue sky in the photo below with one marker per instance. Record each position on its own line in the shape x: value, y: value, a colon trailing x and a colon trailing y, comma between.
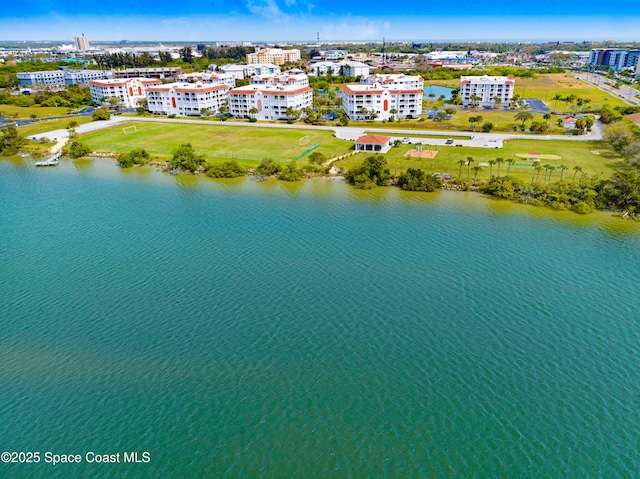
x: 297, y: 20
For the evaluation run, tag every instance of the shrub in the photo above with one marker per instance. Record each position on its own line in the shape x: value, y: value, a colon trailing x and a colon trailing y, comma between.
x: 139, y: 156
x: 78, y: 149
x: 228, y: 169
x: 414, y: 179
x: 100, y: 114
x: 290, y: 172
x: 268, y: 167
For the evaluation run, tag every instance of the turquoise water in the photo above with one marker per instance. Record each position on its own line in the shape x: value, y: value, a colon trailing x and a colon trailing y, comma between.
x: 437, y: 91
x: 242, y: 329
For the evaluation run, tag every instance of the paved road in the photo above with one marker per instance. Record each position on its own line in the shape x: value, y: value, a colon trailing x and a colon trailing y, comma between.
x: 478, y: 140
x: 630, y: 96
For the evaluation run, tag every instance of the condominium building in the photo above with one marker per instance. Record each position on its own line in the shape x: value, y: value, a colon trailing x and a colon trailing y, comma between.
x: 276, y: 56
x: 344, y: 68
x: 615, y: 58
x: 82, y: 43
x: 286, y: 79
x: 128, y: 91
x: 484, y: 90
x: 354, y: 69
x: 244, y: 71
x: 149, y: 72
x: 399, y: 80
x: 211, y: 78
x: 270, y: 101
x: 186, y: 99
x: 322, y: 69
x: 61, y: 77
x: 382, y: 101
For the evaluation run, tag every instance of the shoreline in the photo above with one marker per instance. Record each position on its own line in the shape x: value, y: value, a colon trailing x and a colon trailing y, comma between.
x: 474, y: 191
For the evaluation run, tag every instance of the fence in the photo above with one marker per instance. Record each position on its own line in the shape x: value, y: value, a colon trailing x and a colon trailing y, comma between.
x: 308, y: 150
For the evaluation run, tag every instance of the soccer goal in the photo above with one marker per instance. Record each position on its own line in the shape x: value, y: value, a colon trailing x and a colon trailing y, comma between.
x: 304, y: 140
x: 129, y: 129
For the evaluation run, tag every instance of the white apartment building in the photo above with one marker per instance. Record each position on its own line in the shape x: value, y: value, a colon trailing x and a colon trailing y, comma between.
x: 398, y: 80
x: 128, y: 91
x: 286, y: 79
x: 244, y: 71
x: 322, y: 69
x: 61, y: 77
x: 271, y: 101
x: 487, y: 89
x: 237, y: 71
x: 186, y: 99
x: 360, y: 102
x: 354, y: 69
x: 276, y: 56
x: 211, y: 78
x: 344, y: 68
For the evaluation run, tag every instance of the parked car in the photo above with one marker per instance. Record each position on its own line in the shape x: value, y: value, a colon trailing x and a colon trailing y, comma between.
x: 449, y: 141
x: 406, y: 140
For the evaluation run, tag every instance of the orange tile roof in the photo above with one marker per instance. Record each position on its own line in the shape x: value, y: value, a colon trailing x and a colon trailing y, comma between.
x: 200, y: 89
x: 634, y: 117
x: 373, y: 140
x: 243, y: 91
x: 349, y: 91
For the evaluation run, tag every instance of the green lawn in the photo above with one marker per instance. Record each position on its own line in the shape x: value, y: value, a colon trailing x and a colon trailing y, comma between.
x: 50, y: 125
x: 248, y: 145
x: 14, y: 111
x: 545, y: 87
x: 572, y: 154
x: 503, y: 122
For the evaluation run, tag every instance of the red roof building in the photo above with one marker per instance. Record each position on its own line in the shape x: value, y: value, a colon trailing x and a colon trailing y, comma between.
x: 373, y: 143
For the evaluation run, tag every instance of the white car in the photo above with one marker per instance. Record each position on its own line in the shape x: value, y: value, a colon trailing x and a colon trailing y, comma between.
x: 406, y: 140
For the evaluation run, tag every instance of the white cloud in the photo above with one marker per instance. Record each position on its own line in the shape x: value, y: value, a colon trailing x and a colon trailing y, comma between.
x: 265, y: 8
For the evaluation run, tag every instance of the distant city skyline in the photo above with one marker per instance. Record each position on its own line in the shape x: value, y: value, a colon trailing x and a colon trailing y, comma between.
x: 296, y: 20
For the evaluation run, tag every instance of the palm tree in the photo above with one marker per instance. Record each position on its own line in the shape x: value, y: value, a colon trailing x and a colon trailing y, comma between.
x: 491, y: 163
x: 535, y: 168
x: 562, y: 169
x: 253, y: 112
x: 461, y: 162
x: 575, y: 172
x: 551, y: 170
x: 510, y: 162
x: 568, y: 99
x: 393, y: 112
x: 476, y: 169
x: 497, y: 101
x: 555, y: 99
x: 499, y: 161
x: 538, y: 169
x: 469, y: 161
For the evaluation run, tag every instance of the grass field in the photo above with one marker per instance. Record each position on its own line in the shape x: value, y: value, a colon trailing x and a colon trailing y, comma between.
x: 545, y: 87
x: 14, y: 111
x: 503, y: 122
x: 572, y: 154
x: 50, y: 125
x: 248, y: 145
